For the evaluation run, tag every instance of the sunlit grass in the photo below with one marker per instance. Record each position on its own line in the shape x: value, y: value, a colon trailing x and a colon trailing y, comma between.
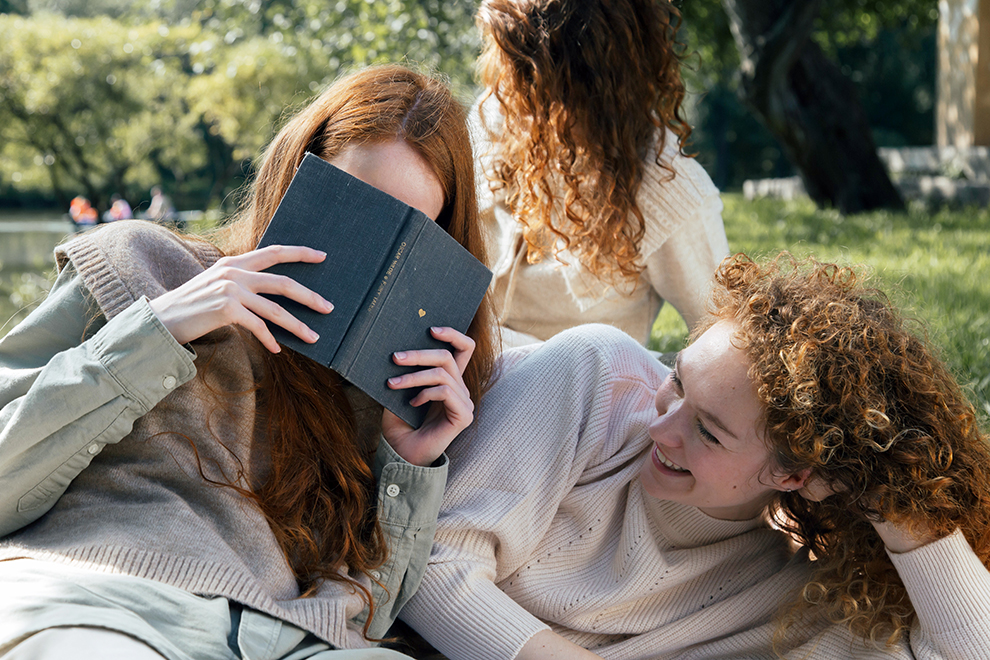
x: 934, y: 265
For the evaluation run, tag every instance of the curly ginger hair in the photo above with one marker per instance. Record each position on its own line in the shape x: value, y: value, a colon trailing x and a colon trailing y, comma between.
x: 587, y: 91
x: 853, y: 395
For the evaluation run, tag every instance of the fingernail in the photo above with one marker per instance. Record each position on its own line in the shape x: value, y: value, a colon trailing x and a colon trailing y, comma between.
x: 400, y: 355
x: 395, y: 380
x: 314, y: 336
x: 436, y: 329
x: 322, y: 253
x: 327, y: 305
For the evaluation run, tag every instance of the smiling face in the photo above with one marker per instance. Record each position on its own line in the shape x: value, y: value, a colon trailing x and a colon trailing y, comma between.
x: 708, y: 449
x: 397, y: 169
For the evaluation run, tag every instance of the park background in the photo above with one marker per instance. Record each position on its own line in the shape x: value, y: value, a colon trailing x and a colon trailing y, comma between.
x: 112, y: 96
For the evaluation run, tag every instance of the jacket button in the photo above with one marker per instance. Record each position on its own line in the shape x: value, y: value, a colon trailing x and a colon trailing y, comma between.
x: 169, y: 382
x: 392, y: 490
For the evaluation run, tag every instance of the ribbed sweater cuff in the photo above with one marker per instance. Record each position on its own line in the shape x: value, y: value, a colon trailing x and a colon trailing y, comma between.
x: 949, y: 588
x: 473, y: 622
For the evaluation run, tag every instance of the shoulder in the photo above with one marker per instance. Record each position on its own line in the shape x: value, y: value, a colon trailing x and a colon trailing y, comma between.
x: 675, y: 190
x: 125, y: 260
x: 688, y: 185
x: 591, y: 356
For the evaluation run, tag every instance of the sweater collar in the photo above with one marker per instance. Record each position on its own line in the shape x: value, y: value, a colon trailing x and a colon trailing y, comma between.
x: 689, y: 527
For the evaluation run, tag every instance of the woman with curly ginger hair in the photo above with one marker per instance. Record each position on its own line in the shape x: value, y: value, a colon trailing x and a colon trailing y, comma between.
x: 594, y: 212
x: 607, y: 506
x: 174, y: 484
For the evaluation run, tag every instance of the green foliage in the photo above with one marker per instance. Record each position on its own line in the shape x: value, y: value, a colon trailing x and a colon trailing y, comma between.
x: 933, y: 266
x: 113, y: 96
x: 97, y: 107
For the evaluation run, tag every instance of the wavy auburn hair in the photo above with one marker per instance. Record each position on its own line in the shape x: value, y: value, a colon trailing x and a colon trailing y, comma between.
x: 588, y: 90
x: 320, y: 496
x: 851, y: 393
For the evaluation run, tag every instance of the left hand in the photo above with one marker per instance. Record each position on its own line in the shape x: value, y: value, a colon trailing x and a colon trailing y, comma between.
x: 451, y: 410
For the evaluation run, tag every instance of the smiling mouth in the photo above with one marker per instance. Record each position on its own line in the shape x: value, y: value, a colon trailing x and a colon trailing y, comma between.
x: 666, y: 462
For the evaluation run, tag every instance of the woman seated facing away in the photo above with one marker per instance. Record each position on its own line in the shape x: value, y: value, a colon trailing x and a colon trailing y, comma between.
x: 606, y: 506
x: 172, y: 484
x: 593, y: 212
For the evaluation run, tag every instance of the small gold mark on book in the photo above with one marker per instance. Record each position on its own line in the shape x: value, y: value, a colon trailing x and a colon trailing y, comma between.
x: 422, y: 313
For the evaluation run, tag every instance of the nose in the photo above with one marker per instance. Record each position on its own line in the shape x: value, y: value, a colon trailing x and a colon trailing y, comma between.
x: 667, y: 429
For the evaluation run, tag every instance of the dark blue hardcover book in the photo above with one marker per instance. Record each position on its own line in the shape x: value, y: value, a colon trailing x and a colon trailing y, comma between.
x: 390, y: 272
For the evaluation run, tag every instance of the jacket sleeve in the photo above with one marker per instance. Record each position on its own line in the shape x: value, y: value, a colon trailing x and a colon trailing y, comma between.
x: 70, y: 383
x: 408, y: 502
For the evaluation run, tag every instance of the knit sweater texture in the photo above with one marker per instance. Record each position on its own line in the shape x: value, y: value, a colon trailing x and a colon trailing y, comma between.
x: 545, y: 525
x: 149, y: 505
x: 683, y: 243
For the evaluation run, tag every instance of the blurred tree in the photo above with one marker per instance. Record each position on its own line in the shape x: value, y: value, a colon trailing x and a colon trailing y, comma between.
x: 806, y: 102
x: 885, y: 49
x: 13, y: 7
x: 103, y: 107
x: 201, y: 88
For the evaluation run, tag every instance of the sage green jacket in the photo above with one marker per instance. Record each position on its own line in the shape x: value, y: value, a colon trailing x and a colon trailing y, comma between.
x: 108, y: 441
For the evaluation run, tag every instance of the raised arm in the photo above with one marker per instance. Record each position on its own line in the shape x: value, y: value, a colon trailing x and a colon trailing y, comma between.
x: 72, y: 382
x: 949, y: 587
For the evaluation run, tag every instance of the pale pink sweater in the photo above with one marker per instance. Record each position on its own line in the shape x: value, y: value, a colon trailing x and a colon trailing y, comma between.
x: 545, y: 525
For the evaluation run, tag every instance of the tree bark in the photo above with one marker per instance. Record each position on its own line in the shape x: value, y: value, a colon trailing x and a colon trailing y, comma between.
x: 809, y: 106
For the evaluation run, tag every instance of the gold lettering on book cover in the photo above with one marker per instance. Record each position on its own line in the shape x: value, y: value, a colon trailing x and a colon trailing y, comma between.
x: 388, y: 274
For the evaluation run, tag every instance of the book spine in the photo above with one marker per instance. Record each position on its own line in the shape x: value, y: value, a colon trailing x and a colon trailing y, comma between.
x: 357, y: 333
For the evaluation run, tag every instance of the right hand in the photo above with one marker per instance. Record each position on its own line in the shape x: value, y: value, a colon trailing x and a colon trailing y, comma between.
x: 451, y: 408
x: 228, y: 292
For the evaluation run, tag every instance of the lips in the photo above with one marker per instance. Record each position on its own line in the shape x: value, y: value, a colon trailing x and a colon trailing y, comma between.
x: 661, y: 462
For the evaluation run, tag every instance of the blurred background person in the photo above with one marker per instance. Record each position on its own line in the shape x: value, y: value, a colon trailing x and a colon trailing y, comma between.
x: 594, y: 212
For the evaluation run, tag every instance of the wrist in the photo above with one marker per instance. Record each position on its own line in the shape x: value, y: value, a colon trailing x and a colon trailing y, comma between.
x: 900, y: 538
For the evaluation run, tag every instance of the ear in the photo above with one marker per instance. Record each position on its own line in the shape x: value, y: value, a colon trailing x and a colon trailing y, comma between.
x: 792, y: 482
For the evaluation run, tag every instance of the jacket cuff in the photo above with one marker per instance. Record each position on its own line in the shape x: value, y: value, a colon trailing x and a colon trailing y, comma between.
x: 408, y: 494
x: 142, y: 356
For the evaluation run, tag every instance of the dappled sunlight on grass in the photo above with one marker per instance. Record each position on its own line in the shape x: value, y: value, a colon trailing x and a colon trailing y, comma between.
x: 934, y: 265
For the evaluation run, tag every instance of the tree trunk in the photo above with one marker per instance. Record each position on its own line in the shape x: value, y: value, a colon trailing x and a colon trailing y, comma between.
x: 808, y: 104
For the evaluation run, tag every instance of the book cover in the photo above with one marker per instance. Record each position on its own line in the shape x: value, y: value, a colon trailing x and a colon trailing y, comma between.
x: 390, y: 272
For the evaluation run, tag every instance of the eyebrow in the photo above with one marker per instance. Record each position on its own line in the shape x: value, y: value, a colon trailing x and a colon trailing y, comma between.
x: 703, y: 413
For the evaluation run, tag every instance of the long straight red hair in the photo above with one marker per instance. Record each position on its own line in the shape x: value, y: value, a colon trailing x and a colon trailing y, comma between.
x: 320, y: 495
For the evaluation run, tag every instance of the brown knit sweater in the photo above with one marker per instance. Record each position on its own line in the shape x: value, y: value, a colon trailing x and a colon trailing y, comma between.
x: 145, y: 505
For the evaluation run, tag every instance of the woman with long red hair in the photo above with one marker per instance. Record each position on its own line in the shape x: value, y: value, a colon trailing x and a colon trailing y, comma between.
x: 595, y: 212
x: 174, y: 484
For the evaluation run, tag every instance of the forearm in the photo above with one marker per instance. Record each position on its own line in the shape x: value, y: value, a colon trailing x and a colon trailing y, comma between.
x: 408, y: 501
x: 59, y: 406
x: 949, y: 588
x: 898, y: 539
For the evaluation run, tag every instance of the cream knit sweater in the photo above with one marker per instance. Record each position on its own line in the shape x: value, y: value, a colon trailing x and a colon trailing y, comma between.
x: 544, y: 524
x: 683, y: 245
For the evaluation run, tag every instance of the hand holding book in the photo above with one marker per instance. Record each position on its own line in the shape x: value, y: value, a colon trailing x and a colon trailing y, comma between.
x: 392, y: 274
x: 452, y: 409
x: 229, y: 293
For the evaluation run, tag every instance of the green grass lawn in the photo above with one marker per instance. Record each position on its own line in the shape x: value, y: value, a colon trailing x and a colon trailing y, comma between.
x: 934, y: 265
